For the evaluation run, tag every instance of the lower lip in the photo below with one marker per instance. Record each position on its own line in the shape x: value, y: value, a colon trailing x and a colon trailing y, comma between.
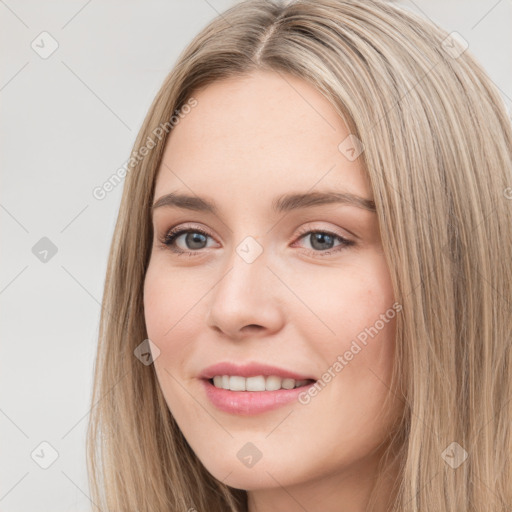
x: 249, y: 403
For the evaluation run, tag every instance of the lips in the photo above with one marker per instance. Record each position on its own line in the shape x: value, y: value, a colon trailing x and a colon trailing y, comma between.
x: 251, y: 370
x: 242, y: 403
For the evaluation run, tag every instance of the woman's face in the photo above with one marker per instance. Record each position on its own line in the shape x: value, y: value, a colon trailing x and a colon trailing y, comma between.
x: 272, y: 282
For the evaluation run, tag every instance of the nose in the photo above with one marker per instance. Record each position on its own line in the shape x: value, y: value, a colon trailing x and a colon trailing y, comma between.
x: 245, y: 302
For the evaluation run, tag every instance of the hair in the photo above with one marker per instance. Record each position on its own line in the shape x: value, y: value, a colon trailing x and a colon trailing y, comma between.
x: 438, y: 152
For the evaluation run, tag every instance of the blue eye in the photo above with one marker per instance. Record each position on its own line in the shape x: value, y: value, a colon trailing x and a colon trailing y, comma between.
x: 319, y: 238
x: 196, y: 239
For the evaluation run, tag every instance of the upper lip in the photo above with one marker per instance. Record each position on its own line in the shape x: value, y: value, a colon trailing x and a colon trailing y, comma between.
x: 250, y: 370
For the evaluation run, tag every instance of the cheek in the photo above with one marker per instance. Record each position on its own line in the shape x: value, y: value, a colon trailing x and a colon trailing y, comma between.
x: 360, y: 313
x: 172, y: 324
x: 169, y: 309
x: 167, y: 296
x: 347, y: 303
x: 158, y: 304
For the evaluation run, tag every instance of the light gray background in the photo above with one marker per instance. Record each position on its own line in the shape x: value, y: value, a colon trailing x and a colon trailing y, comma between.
x: 67, y: 123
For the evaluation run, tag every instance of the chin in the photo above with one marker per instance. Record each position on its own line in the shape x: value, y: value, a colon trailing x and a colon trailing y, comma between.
x: 238, y: 476
x: 248, y: 479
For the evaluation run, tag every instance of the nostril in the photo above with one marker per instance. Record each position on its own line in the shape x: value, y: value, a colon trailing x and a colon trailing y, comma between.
x: 253, y: 327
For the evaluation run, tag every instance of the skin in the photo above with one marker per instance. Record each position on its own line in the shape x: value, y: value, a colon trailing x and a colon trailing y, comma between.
x: 248, y: 140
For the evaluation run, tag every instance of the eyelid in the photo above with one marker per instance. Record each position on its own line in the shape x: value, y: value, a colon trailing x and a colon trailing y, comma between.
x: 177, y: 231
x: 305, y: 229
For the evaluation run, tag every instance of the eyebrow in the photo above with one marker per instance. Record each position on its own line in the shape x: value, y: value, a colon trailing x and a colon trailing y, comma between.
x: 284, y: 203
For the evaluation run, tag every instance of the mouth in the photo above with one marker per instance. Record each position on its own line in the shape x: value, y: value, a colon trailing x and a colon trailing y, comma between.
x: 253, y: 388
x: 259, y: 383
x: 253, y: 395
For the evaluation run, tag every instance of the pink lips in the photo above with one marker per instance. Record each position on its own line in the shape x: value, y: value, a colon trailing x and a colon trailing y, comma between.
x: 249, y: 403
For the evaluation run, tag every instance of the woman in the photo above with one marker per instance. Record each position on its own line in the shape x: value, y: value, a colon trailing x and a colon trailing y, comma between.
x: 308, y: 296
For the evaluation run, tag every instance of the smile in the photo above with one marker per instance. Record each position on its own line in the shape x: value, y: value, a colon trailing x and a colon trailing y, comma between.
x: 257, y: 383
x: 250, y: 403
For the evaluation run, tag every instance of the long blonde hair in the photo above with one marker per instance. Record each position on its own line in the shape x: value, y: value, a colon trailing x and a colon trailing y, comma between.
x: 438, y: 152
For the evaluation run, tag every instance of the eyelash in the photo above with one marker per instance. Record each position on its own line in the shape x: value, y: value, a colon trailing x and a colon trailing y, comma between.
x: 171, y: 236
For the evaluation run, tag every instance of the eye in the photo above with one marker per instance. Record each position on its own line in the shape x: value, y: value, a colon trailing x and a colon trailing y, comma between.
x: 195, y: 239
x: 322, y: 242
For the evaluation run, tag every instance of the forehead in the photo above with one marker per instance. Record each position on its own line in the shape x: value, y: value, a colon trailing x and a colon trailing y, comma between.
x: 260, y: 135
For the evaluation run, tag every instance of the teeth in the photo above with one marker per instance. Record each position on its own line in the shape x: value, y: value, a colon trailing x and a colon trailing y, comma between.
x: 258, y: 383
